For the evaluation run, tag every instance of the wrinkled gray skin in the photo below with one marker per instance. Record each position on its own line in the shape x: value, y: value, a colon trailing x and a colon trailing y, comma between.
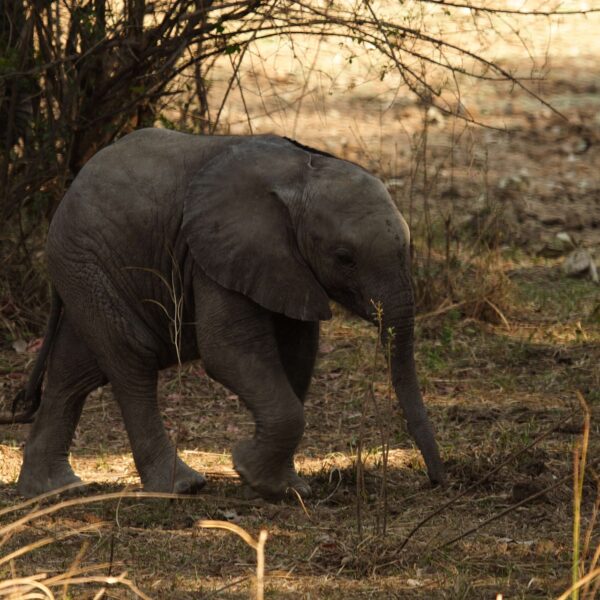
x: 261, y: 233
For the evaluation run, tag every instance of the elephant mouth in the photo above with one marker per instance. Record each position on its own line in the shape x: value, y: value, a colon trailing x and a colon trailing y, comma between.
x: 352, y: 300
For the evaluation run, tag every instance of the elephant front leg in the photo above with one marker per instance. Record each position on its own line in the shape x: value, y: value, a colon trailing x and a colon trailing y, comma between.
x: 266, y: 462
x: 237, y: 343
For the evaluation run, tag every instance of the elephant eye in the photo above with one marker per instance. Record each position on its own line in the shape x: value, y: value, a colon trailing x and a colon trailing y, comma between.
x: 344, y: 257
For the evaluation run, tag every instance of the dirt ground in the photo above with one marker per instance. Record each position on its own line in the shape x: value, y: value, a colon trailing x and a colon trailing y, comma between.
x: 491, y: 388
x: 491, y: 391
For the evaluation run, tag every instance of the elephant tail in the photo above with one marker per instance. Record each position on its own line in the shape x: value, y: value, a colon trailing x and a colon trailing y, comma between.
x: 31, y: 395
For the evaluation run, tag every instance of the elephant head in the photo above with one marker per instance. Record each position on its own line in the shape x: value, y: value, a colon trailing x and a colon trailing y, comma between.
x: 290, y: 227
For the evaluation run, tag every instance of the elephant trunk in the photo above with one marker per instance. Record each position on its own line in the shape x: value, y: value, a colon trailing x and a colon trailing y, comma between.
x: 398, y: 321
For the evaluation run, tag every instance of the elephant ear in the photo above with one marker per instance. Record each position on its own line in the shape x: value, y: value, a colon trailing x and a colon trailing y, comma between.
x: 240, y: 231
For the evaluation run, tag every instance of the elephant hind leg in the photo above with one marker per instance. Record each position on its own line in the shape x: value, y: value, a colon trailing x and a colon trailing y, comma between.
x: 127, y: 352
x: 298, y: 343
x: 73, y: 373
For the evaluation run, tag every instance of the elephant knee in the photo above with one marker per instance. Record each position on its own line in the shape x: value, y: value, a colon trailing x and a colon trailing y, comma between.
x: 282, y: 428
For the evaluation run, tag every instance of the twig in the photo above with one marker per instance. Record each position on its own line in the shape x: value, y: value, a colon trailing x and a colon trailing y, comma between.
x: 226, y: 587
x: 300, y: 501
x: 508, y: 11
x: 440, y: 311
x: 327, y: 498
x: 42, y: 512
x: 257, y: 545
x: 41, y: 497
x: 508, y: 510
x: 586, y: 580
x: 48, y: 540
x: 506, y: 461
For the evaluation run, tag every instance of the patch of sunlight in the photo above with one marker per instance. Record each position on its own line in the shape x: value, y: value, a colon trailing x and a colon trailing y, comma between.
x: 372, y: 457
x: 555, y: 333
x: 10, y: 463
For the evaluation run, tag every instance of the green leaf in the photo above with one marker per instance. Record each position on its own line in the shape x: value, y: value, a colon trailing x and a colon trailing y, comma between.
x: 232, y: 48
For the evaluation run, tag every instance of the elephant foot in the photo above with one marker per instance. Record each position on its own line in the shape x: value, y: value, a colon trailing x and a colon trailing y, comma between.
x: 296, y: 483
x: 271, y: 482
x: 438, y: 478
x: 42, y: 479
x: 436, y: 473
x: 183, y: 481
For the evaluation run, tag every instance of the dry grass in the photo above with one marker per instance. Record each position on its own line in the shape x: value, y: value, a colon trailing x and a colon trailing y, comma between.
x: 491, y: 392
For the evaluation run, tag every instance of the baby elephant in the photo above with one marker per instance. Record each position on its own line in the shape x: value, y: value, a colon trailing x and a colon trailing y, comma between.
x: 255, y: 234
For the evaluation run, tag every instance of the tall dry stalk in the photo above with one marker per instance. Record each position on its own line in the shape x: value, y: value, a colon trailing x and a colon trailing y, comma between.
x: 579, y: 578
x: 257, y: 545
x: 382, y: 417
x: 579, y: 461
